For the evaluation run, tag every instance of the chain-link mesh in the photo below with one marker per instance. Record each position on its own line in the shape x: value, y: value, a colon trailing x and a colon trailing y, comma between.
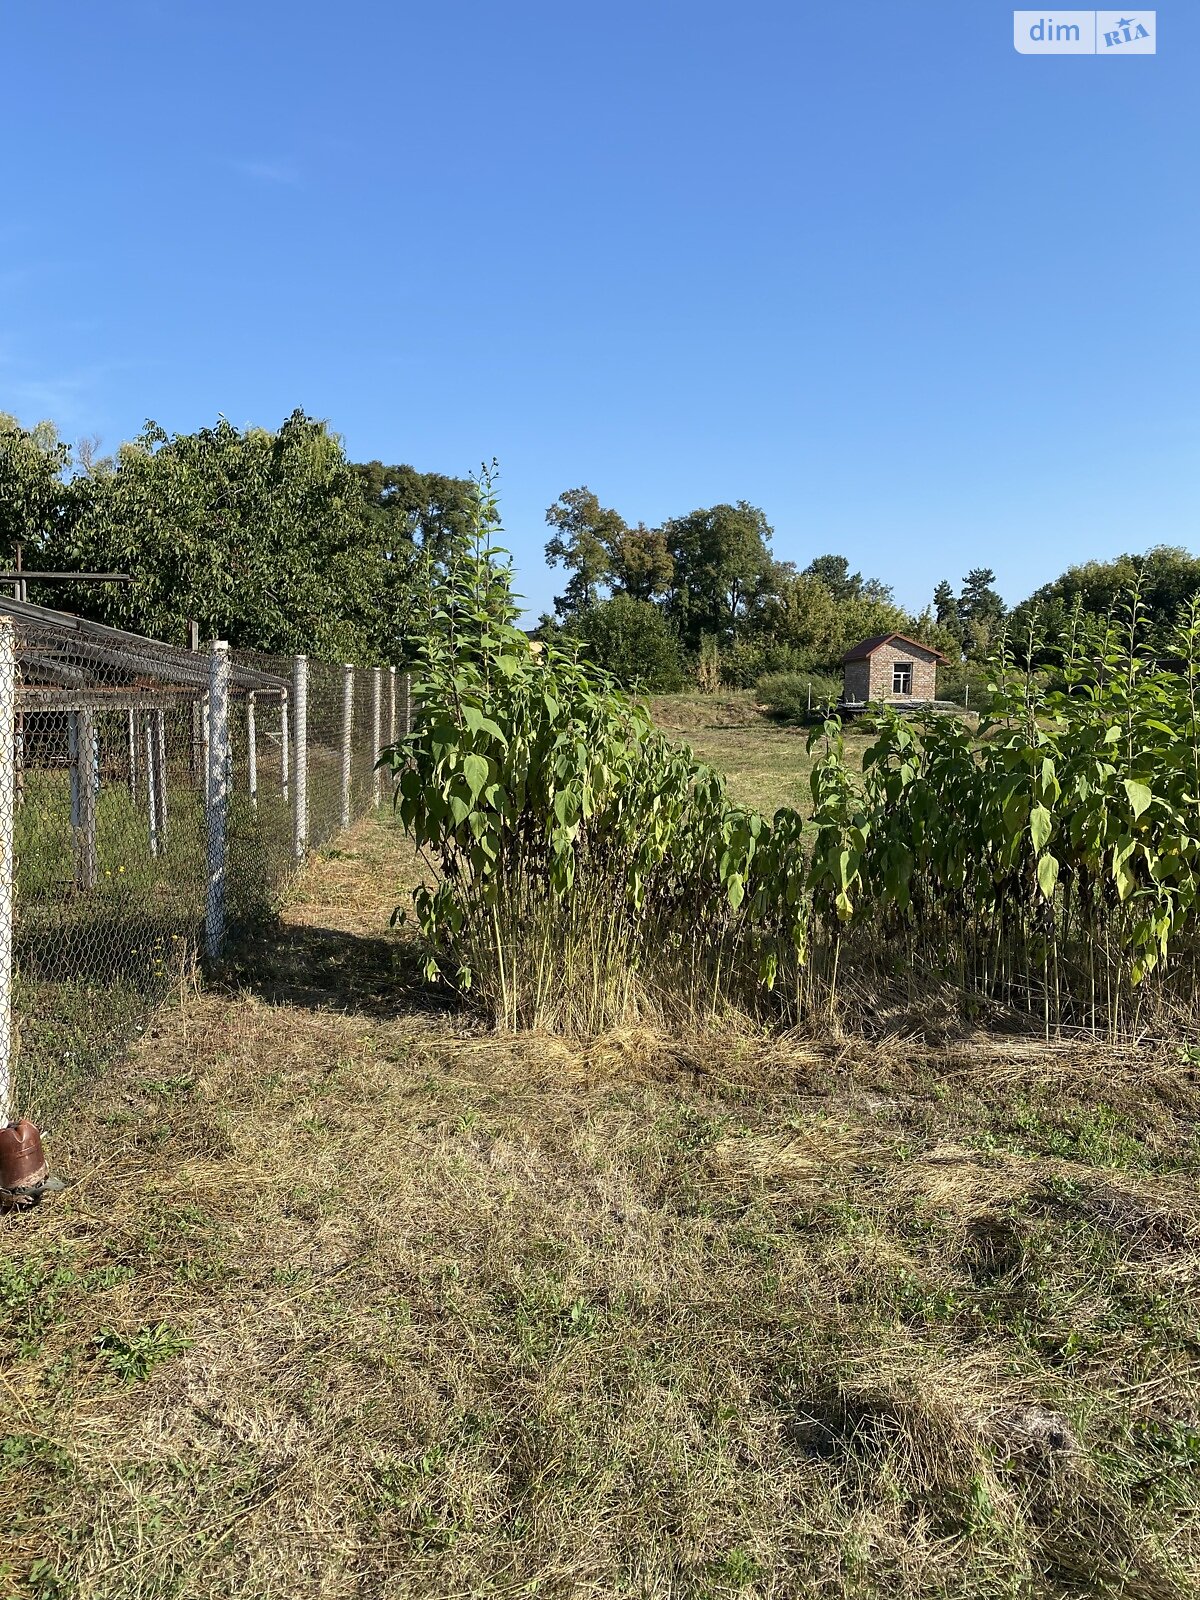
x: 112, y: 800
x: 326, y: 706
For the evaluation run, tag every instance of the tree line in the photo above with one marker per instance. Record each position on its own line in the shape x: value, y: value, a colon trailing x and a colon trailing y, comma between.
x: 704, y: 593
x: 276, y: 540
x: 703, y: 598
x: 272, y: 539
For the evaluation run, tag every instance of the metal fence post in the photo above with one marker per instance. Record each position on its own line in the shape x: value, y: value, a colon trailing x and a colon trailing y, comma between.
x: 347, y: 735
x: 133, y: 755
x: 376, y: 729
x: 8, y: 798
x: 251, y: 753
x: 300, y: 734
x: 218, y: 797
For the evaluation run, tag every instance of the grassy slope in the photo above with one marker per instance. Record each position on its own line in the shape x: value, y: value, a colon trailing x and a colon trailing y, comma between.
x: 766, y: 763
x: 351, y: 1300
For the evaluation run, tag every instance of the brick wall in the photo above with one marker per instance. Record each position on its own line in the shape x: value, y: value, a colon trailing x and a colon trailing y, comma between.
x: 924, y: 673
x: 872, y: 679
x: 858, y: 680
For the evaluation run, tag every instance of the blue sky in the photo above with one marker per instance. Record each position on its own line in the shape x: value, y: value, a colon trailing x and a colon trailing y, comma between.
x: 928, y: 302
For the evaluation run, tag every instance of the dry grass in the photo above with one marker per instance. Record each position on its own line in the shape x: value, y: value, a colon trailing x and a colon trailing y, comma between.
x: 351, y: 1300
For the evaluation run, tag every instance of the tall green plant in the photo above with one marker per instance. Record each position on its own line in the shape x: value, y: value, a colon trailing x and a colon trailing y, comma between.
x: 1053, y: 864
x: 585, y: 868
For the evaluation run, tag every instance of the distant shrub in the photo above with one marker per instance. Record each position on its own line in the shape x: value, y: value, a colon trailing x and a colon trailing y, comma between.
x: 786, y: 694
x: 965, y: 683
x: 709, y: 676
x: 743, y: 664
x: 634, y: 642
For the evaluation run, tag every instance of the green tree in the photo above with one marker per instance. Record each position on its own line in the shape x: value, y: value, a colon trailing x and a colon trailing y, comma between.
x: 980, y: 611
x: 642, y: 565
x: 1166, y: 576
x: 945, y: 605
x: 416, y: 511
x: 945, y: 620
x: 584, y: 539
x: 634, y: 641
x: 414, y: 523
x: 36, y: 498
x: 834, y: 572
x: 261, y: 536
x: 722, y: 565
x: 803, y: 615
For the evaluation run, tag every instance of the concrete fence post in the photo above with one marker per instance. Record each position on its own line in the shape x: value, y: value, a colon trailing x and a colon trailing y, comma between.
x: 251, y: 753
x: 8, y: 811
x: 199, y: 753
x: 391, y: 705
x: 300, y: 776
x: 347, y: 736
x: 218, y: 797
x: 408, y: 702
x: 376, y: 729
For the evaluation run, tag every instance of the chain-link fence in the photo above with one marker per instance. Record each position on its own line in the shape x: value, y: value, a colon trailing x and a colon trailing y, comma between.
x: 153, y: 801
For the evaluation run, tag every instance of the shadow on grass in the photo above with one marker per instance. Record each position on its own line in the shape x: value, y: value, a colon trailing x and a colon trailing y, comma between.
x: 326, y: 969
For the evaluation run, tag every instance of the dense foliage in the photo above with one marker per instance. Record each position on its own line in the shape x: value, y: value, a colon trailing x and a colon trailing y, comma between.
x: 587, y: 867
x: 712, y: 577
x: 1166, y: 577
x: 272, y: 539
x: 797, y: 696
x: 1057, y: 861
x: 584, y: 862
x: 632, y: 640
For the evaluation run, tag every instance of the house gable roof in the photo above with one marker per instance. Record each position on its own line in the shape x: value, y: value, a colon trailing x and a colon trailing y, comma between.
x: 868, y: 647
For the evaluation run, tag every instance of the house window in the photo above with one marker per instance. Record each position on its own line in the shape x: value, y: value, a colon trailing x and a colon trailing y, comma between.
x: 902, y: 677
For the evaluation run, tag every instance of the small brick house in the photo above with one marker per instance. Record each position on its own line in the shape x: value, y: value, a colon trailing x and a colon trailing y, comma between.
x: 892, y: 668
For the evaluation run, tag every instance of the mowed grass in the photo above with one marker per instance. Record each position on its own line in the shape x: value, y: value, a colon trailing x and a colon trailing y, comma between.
x: 351, y: 1299
x: 767, y: 764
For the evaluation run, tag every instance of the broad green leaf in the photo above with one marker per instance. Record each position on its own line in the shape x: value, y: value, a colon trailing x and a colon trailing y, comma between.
x: 1139, y: 796
x: 1047, y: 875
x: 475, y: 771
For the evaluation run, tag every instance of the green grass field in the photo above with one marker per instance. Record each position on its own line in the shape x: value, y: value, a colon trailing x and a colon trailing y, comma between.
x: 766, y: 763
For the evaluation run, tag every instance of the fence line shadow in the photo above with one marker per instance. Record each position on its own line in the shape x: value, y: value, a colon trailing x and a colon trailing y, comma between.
x: 327, y: 969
